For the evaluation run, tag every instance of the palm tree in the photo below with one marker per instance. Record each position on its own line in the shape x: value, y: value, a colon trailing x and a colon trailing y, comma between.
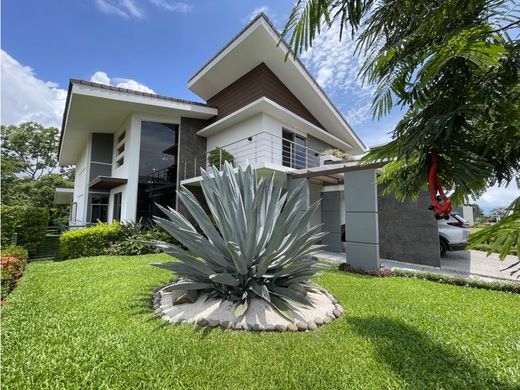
x: 452, y: 66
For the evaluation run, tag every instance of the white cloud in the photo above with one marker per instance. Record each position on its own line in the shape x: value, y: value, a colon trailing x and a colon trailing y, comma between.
x: 27, y: 98
x: 336, y: 68
x: 497, y: 196
x: 123, y: 8
x: 102, y: 78
x: 173, y: 6
x: 266, y: 10
x: 263, y: 9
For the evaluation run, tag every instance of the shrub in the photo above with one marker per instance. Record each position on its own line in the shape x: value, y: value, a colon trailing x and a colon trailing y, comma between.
x: 14, y: 259
x: 91, y: 241
x: 342, y: 155
x: 24, y: 225
x: 218, y: 156
x: 378, y: 272
x: 260, y: 248
x: 134, y: 238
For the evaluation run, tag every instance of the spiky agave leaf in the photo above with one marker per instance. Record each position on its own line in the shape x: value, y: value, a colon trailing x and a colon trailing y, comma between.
x: 259, y: 246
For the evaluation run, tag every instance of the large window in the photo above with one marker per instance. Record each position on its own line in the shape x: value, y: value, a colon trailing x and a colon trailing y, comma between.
x: 294, y: 152
x: 98, y: 207
x: 117, y: 206
x: 157, y: 168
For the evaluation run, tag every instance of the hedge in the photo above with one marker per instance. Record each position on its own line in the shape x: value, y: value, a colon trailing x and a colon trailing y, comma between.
x: 14, y: 259
x: 25, y: 226
x: 91, y: 241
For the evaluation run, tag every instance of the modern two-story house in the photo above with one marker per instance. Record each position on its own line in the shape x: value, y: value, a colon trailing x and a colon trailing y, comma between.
x: 133, y: 149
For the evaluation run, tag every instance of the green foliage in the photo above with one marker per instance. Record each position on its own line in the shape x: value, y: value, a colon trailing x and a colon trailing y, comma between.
x: 33, y: 147
x: 488, y: 248
x: 259, y: 249
x: 14, y: 259
x: 38, y: 193
x: 477, y: 213
x: 30, y: 169
x: 94, y: 316
x: 135, y: 236
x: 503, y: 236
x: 452, y: 67
x: 341, y: 154
x: 511, y: 287
x: 24, y: 225
x: 91, y: 241
x: 218, y: 156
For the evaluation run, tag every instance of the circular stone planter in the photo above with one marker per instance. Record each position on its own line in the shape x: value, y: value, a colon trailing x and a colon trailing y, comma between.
x: 260, y: 315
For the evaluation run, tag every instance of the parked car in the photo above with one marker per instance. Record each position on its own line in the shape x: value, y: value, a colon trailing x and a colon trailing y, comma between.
x: 453, y: 234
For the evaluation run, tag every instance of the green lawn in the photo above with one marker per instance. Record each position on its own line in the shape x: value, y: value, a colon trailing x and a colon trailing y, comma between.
x: 86, y: 324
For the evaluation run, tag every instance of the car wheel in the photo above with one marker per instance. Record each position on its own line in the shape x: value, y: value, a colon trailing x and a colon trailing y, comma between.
x: 443, y: 246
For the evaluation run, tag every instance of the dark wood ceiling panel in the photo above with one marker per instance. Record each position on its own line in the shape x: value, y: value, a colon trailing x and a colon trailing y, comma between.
x: 258, y: 82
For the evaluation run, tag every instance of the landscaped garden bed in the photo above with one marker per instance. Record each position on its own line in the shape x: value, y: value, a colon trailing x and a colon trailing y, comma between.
x: 88, y: 323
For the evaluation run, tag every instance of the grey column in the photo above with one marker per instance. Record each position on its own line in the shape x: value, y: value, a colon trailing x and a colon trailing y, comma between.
x: 291, y: 186
x: 361, y: 220
x: 331, y: 220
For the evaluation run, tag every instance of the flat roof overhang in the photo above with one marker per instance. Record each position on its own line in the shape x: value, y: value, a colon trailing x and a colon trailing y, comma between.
x: 267, y: 106
x: 106, y: 182
x: 260, y: 42
x: 63, y: 195
x: 102, y: 109
x: 332, y: 174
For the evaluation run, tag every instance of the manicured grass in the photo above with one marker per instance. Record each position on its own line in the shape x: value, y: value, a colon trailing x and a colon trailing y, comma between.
x: 86, y: 323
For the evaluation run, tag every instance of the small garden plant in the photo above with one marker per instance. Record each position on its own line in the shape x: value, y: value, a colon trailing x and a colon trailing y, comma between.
x: 259, y: 246
x: 342, y: 155
x: 14, y: 260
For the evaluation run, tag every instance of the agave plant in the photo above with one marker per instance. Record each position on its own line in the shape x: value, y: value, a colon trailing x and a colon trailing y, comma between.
x: 259, y: 246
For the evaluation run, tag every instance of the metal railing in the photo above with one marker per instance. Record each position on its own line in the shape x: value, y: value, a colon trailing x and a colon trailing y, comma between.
x: 257, y: 149
x: 162, y: 176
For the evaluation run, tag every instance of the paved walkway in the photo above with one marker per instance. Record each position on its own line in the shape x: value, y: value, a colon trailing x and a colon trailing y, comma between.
x: 466, y: 264
x: 477, y: 263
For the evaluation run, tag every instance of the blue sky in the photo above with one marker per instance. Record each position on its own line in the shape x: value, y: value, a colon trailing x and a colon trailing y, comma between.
x: 157, y: 45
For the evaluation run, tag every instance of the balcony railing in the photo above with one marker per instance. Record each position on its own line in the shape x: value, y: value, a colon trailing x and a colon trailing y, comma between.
x: 257, y: 149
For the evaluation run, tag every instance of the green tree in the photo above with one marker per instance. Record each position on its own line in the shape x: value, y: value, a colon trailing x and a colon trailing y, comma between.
x: 33, y: 147
x: 452, y: 67
x: 477, y: 212
x: 30, y: 172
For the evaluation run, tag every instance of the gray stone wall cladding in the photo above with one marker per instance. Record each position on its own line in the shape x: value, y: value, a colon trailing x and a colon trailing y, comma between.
x: 408, y: 231
x: 317, y: 144
x: 190, y: 146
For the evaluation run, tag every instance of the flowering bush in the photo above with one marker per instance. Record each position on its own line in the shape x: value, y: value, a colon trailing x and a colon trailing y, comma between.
x: 13, y: 264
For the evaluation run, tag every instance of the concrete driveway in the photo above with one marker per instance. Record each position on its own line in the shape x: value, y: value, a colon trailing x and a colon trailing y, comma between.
x: 466, y: 264
x: 478, y: 264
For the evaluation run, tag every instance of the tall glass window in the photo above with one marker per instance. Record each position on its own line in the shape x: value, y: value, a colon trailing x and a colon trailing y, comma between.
x: 117, y: 206
x: 293, y: 150
x: 98, y: 202
x: 157, y: 168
